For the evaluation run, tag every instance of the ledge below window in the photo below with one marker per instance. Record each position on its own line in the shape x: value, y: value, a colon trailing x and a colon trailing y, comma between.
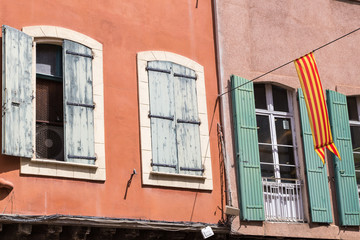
x: 44, y: 167
x: 177, y: 175
x: 177, y: 180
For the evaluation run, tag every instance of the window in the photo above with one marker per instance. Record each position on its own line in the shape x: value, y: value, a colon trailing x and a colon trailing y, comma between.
x: 62, y: 70
x: 173, y: 121
x: 274, y: 119
x: 275, y: 127
x: 353, y: 104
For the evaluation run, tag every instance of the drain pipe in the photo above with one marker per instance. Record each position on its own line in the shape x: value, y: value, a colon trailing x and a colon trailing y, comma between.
x: 222, y: 104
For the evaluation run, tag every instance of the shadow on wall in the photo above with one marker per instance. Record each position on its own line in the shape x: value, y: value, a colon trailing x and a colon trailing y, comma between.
x: 357, y: 2
x: 5, y: 188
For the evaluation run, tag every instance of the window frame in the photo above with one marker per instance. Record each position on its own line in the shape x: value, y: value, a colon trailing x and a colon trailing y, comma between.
x: 150, y: 177
x: 34, y: 166
x: 272, y: 115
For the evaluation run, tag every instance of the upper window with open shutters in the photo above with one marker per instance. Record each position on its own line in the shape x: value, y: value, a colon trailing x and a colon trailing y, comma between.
x: 175, y: 147
x: 53, y: 102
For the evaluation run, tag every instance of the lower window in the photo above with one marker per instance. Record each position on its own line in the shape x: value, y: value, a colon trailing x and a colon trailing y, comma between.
x: 275, y: 123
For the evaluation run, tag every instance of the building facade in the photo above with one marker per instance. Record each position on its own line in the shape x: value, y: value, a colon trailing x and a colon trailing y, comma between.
x: 105, y: 120
x: 276, y: 179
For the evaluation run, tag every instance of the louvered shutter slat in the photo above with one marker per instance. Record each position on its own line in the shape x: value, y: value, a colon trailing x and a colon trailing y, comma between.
x: 163, y: 139
x: 78, y: 103
x: 316, y: 173
x: 247, y: 151
x: 17, y: 94
x: 345, y: 179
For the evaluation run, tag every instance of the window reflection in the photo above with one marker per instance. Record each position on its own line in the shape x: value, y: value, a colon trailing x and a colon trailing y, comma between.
x: 280, y: 99
x: 260, y: 96
x: 263, y: 129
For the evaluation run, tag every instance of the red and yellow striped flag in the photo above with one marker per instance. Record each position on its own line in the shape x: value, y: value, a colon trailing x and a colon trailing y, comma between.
x: 315, y: 103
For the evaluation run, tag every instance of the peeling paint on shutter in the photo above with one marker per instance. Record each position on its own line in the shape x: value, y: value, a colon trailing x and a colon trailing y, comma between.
x: 247, y: 151
x: 78, y: 103
x: 316, y: 172
x: 187, y: 121
x: 345, y: 180
x: 17, y: 93
x: 162, y: 117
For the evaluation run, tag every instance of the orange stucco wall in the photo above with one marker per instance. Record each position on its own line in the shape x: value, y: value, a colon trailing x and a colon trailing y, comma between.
x: 258, y: 36
x: 124, y: 28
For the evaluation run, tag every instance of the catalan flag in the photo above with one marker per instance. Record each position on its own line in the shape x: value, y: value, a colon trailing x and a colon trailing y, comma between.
x: 315, y: 103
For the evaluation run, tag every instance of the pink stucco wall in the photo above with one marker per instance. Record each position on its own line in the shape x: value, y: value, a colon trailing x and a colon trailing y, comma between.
x: 257, y: 36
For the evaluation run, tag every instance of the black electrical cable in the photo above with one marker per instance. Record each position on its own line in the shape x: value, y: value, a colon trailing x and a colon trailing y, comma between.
x: 262, y: 75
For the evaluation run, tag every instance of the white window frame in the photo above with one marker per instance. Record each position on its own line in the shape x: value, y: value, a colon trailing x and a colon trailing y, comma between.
x: 356, y: 124
x: 150, y: 177
x: 44, y: 167
x: 272, y: 114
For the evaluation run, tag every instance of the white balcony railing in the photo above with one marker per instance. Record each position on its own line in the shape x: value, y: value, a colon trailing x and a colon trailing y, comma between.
x: 282, y: 200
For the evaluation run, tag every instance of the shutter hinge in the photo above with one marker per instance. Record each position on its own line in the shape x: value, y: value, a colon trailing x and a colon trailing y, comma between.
x: 192, y: 169
x: 188, y: 121
x: 82, y: 157
x: 184, y: 76
x: 161, y: 117
x: 81, y: 105
x: 163, y: 165
x: 79, y: 54
x: 157, y: 70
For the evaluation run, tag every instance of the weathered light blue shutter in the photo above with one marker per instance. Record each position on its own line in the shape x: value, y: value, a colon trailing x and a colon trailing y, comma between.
x: 187, y: 121
x: 17, y: 93
x: 162, y: 117
x: 78, y: 103
x: 247, y: 151
x: 345, y: 180
x: 316, y: 173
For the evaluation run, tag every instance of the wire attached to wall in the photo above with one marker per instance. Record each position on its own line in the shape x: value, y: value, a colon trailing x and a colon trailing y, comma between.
x: 264, y: 74
x: 283, y: 65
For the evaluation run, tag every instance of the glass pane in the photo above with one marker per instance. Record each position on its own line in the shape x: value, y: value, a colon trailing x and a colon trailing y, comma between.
x: 266, y: 154
x: 355, y: 137
x: 263, y: 129
x: 283, y: 131
x: 49, y: 59
x: 286, y: 155
x: 280, y: 99
x: 260, y: 96
x: 288, y: 172
x: 357, y: 167
x: 357, y: 161
x: 267, y: 171
x: 357, y: 177
x: 352, y: 108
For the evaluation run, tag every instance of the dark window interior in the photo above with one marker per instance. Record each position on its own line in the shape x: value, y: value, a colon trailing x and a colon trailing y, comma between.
x: 49, y: 102
x: 352, y: 108
x: 260, y: 96
x: 280, y: 99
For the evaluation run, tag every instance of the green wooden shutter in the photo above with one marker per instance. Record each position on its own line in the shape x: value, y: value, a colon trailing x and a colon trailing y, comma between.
x: 17, y: 93
x: 78, y: 103
x: 316, y: 173
x: 345, y: 180
x: 187, y: 121
x: 247, y: 151
x: 162, y: 117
